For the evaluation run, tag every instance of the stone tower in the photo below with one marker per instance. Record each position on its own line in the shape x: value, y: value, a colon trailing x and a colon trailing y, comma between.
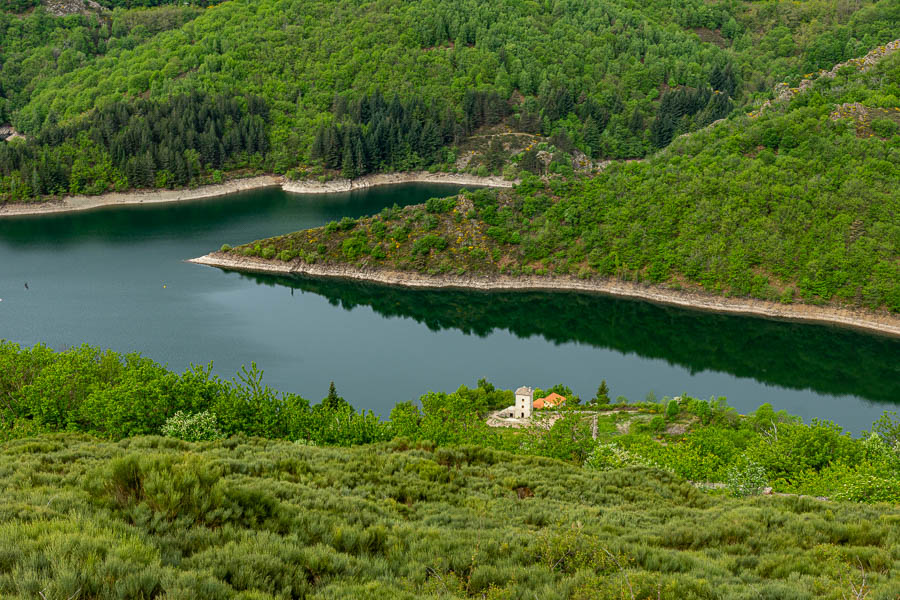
x: 524, y: 403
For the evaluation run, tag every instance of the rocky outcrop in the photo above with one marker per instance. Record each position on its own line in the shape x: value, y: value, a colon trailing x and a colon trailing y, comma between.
x: 783, y: 92
x: 7, y: 132
x: 61, y: 8
x: 880, y: 322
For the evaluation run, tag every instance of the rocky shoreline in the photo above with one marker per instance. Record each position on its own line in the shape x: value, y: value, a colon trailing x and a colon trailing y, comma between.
x: 883, y: 323
x: 345, y: 185
x: 79, y: 203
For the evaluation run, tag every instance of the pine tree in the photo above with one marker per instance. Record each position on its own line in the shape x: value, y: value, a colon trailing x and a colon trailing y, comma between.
x: 636, y: 121
x: 602, y: 396
x: 333, y: 401
x: 591, y: 135
x: 662, y: 129
x: 348, y: 163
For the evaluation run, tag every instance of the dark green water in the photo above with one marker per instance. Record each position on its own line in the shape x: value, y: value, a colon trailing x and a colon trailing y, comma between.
x: 98, y: 278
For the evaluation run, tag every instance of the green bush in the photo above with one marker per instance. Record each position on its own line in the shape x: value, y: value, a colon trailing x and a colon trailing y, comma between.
x: 870, y: 488
x: 606, y: 456
x: 672, y: 409
x: 426, y: 243
x: 196, y: 427
x: 747, y: 480
x: 888, y: 427
x: 885, y: 127
x: 440, y: 205
x: 354, y: 247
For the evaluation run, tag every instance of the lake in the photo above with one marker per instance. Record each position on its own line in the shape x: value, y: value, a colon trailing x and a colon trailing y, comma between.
x: 115, y: 277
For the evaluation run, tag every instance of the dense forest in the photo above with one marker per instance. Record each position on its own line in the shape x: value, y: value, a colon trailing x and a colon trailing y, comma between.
x: 121, y: 479
x: 138, y: 145
x: 609, y: 80
x: 798, y: 204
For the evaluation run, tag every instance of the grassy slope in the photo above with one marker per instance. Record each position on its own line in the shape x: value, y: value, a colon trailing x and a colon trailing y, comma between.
x: 247, y: 518
x: 793, y: 205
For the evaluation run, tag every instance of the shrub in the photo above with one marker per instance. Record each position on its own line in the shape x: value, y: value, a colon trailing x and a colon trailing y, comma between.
x: 268, y: 252
x: 749, y: 480
x: 672, y: 409
x: 870, y: 488
x: 424, y: 244
x: 884, y: 127
x: 225, y: 248
x: 440, y: 205
x: 354, y: 247
x: 888, y: 427
x: 196, y: 427
x: 605, y: 457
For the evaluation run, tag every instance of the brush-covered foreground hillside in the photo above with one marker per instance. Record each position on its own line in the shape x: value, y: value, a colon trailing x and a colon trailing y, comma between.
x: 178, y: 94
x: 152, y: 517
x: 798, y: 204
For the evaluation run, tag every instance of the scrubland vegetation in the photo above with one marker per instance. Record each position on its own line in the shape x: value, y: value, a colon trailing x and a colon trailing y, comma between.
x: 115, y: 397
x: 448, y: 508
x: 252, y: 518
x: 796, y: 205
x: 604, y: 80
x: 102, y: 497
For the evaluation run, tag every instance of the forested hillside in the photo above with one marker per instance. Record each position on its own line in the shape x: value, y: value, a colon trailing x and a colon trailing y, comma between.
x: 799, y: 204
x: 359, y: 87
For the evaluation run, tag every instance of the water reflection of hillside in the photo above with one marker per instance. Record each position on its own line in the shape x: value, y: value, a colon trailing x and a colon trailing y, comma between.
x: 825, y: 359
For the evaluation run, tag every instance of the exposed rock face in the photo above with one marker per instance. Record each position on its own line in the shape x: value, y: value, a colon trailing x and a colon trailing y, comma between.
x: 783, y: 92
x: 61, y: 8
x: 8, y: 133
x: 851, y: 110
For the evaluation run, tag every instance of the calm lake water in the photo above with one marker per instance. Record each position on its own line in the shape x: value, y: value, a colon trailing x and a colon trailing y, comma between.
x: 115, y: 278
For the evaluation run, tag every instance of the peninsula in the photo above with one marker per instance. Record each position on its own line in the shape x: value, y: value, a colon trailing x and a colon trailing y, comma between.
x: 789, y: 213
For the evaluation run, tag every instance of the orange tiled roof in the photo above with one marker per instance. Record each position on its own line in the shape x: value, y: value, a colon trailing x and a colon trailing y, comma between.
x: 549, y: 400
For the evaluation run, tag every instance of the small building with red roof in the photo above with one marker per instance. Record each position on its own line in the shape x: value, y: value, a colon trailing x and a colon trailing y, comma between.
x: 551, y: 400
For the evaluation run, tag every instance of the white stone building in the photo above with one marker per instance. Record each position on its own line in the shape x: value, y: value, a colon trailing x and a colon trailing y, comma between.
x: 523, y: 407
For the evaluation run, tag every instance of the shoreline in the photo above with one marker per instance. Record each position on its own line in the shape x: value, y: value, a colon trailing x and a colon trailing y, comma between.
x: 311, y: 186
x: 70, y: 204
x: 858, y: 319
